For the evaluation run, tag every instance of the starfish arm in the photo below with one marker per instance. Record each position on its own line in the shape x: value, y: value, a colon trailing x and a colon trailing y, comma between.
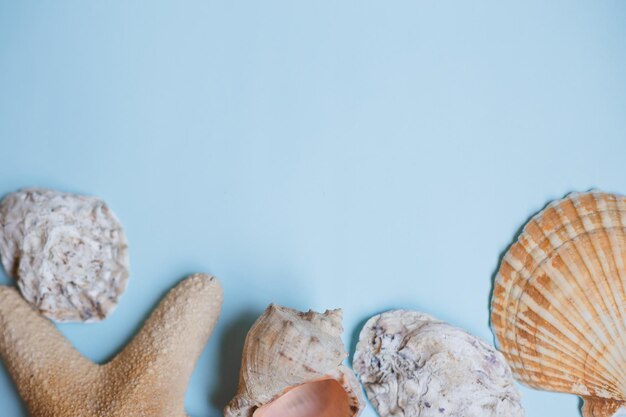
x: 43, y: 364
x: 159, y: 361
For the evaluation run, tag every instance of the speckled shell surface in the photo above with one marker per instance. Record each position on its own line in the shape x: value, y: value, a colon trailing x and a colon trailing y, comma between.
x: 148, y: 378
x: 286, y: 348
x: 558, y: 301
x: 68, y: 253
x: 413, y: 365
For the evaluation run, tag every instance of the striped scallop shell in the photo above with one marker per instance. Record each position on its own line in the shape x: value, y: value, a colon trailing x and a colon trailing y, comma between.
x: 558, y: 306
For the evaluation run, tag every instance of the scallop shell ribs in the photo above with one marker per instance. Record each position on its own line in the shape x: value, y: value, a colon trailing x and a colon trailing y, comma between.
x: 558, y: 306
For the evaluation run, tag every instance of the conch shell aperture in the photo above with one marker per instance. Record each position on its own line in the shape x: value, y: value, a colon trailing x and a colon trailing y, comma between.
x: 558, y: 306
x: 291, y: 366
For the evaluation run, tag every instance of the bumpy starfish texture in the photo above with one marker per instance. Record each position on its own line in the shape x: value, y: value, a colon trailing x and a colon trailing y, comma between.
x: 146, y: 379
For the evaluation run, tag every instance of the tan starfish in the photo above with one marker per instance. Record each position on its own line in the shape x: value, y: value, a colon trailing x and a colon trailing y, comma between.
x: 147, y: 379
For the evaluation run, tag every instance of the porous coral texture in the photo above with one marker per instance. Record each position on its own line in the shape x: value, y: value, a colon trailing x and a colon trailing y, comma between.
x: 68, y: 253
x: 147, y: 379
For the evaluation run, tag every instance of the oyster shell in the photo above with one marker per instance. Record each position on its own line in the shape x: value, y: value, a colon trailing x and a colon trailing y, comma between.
x: 558, y: 305
x: 67, y: 252
x: 291, y: 366
x: 412, y: 364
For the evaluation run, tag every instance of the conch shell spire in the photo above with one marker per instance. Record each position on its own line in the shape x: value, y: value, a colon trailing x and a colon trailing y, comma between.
x: 292, y: 366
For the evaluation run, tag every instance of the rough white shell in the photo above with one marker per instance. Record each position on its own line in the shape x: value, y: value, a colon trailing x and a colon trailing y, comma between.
x: 68, y: 253
x: 414, y: 365
x: 285, y: 350
x: 559, y: 301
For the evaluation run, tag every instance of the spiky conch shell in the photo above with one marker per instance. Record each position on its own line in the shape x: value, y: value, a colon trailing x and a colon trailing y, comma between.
x: 559, y: 298
x: 286, y: 350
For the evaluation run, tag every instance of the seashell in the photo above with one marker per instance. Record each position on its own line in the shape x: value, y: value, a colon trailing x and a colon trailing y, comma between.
x: 291, y: 366
x: 558, y: 305
x: 68, y: 253
x: 413, y: 365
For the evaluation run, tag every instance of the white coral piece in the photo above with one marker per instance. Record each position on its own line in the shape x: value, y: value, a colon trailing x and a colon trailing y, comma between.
x: 68, y: 253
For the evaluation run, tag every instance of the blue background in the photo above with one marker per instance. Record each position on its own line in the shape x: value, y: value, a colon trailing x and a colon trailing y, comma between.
x: 358, y: 154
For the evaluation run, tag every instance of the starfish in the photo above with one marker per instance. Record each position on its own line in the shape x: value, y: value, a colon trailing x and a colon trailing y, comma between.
x: 148, y: 378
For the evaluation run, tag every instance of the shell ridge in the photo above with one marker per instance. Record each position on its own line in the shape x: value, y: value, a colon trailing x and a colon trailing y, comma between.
x: 527, y: 282
x: 524, y: 274
x: 620, y: 268
x: 552, y: 336
x: 597, y: 311
x: 530, y: 276
x: 527, y: 247
x: 544, y: 359
x: 557, y: 311
x: 591, y: 232
x: 591, y: 343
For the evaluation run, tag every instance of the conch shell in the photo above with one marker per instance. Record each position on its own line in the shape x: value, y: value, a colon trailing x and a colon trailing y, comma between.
x: 292, y: 367
x: 558, y: 306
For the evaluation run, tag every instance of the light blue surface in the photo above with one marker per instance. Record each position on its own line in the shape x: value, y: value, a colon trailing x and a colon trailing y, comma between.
x: 364, y: 155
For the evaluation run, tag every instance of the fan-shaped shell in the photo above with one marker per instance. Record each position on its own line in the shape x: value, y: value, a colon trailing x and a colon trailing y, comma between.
x: 291, y: 366
x: 558, y: 306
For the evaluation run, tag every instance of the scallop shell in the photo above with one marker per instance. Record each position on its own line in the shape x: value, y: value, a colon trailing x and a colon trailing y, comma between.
x: 291, y: 366
x: 413, y: 365
x: 558, y: 306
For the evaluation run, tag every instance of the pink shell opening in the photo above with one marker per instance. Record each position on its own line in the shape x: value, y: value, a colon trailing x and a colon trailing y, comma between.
x: 321, y: 398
